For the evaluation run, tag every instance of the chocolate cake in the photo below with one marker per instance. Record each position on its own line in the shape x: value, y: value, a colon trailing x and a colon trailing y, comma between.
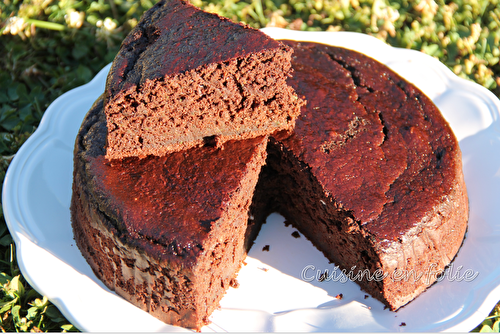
x: 165, y: 233
x: 183, y: 77
x: 371, y: 175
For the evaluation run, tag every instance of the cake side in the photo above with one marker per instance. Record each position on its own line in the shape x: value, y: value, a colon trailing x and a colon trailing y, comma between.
x: 381, y: 152
x: 154, y: 231
x: 184, y: 76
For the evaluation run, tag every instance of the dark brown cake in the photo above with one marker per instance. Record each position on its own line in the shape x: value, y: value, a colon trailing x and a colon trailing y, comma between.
x: 372, y: 175
x: 165, y: 233
x: 183, y: 77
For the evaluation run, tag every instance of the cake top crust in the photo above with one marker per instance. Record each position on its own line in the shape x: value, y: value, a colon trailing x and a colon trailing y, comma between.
x: 171, y: 201
x: 377, y: 144
x: 175, y: 37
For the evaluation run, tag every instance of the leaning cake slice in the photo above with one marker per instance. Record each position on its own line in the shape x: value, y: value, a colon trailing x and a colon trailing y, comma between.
x: 184, y: 77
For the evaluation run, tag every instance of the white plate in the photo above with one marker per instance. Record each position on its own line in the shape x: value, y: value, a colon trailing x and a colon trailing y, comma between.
x: 37, y: 191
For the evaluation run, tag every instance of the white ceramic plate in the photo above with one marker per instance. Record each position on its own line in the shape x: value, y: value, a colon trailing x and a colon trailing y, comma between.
x: 272, y: 296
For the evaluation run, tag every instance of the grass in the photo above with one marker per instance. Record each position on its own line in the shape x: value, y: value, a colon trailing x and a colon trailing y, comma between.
x: 49, y: 47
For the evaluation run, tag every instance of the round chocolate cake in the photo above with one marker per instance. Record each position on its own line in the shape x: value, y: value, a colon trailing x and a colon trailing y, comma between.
x: 371, y: 175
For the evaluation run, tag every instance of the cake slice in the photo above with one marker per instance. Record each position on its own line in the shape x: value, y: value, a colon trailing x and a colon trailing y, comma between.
x: 166, y: 233
x: 184, y: 77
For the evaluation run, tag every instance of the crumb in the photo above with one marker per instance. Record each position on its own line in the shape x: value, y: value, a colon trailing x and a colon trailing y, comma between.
x: 244, y: 263
x: 339, y: 296
x: 323, y: 276
x: 287, y: 223
x: 263, y: 269
x: 296, y: 234
x: 265, y: 248
x: 234, y: 283
x: 366, y: 296
x: 402, y: 324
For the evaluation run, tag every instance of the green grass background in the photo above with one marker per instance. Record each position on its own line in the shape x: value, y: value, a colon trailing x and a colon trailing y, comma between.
x: 49, y: 47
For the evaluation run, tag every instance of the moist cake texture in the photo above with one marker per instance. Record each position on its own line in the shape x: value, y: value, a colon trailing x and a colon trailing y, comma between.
x: 371, y: 175
x: 183, y: 77
x: 166, y: 233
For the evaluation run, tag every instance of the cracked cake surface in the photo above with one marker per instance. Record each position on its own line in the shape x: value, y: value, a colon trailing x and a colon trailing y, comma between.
x: 371, y: 175
x: 183, y: 76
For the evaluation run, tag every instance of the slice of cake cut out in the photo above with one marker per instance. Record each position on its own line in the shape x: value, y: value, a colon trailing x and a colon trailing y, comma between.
x: 183, y: 77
